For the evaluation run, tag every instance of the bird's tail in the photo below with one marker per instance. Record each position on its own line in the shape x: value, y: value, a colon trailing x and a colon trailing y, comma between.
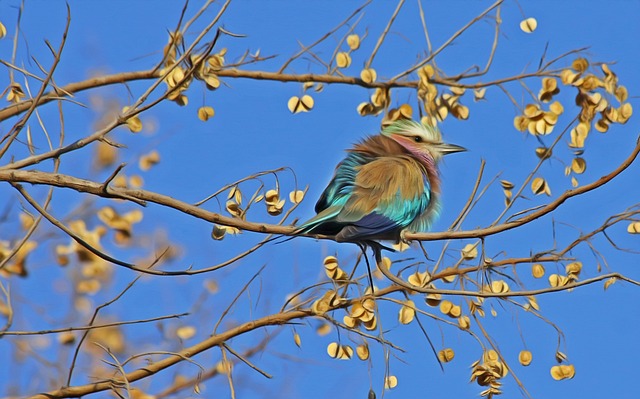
x: 313, y: 225
x: 324, y: 218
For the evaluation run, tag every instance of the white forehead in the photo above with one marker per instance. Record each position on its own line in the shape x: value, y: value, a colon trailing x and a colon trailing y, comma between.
x: 408, y: 127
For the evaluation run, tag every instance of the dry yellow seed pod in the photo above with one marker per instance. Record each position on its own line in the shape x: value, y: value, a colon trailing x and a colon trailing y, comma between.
x: 407, y: 312
x: 296, y: 196
x: 525, y: 358
x: 303, y: 104
x: 205, y: 113
x: 353, y: 41
x: 633, y: 228
x: 574, y: 268
x: 433, y: 299
x: 470, y: 251
x: 446, y: 355
x: 391, y: 382
x: 499, y: 286
x: 609, y: 282
x: 362, y: 351
x: 580, y: 64
x: 578, y: 165
x: 445, y: 306
x: 455, y: 311
x: 343, y: 59
x: 563, y: 371
x: 337, y: 351
x: 540, y: 186
x: 186, y: 332
x: 368, y: 75
x: 529, y: 25
x: 537, y: 270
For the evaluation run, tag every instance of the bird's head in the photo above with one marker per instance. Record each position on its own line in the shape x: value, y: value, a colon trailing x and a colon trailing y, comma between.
x: 419, y: 139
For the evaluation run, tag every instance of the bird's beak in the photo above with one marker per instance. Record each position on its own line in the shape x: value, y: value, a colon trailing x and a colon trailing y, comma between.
x: 445, y: 148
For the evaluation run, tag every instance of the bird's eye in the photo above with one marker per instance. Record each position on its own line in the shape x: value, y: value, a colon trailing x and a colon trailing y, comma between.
x: 417, y: 139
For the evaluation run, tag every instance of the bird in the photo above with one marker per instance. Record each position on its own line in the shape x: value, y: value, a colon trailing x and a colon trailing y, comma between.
x: 387, y: 185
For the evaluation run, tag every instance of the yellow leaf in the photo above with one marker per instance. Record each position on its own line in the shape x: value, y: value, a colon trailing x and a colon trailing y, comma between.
x: 204, y: 113
x: 529, y: 25
x: 3, y: 31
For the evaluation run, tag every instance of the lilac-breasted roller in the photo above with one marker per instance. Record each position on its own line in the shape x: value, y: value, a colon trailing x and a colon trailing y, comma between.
x: 387, y: 184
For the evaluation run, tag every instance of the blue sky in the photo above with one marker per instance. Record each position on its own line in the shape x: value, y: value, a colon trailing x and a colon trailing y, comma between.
x: 253, y: 131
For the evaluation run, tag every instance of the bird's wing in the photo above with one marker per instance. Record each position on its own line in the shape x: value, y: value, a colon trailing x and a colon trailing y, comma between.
x: 341, y: 185
x: 388, y: 194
